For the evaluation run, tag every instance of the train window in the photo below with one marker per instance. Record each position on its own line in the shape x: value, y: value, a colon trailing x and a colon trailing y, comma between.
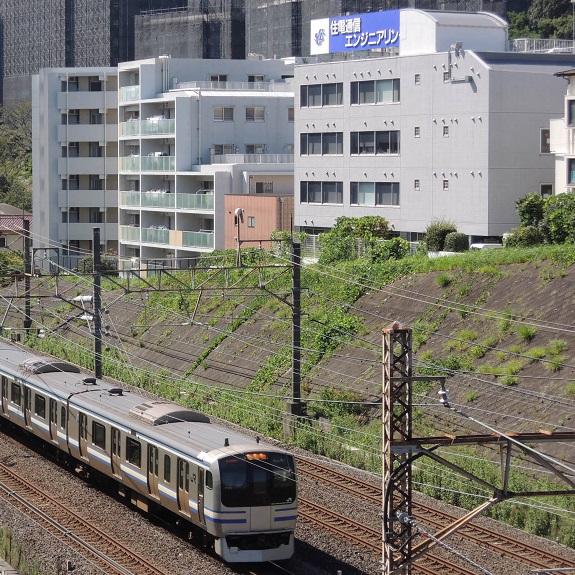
x: 133, y: 452
x: 16, y: 393
x: 53, y: 411
x: 167, y: 469
x: 83, y: 425
x: 4, y: 387
x: 39, y: 406
x: 209, y: 480
x: 98, y: 435
x: 63, y: 417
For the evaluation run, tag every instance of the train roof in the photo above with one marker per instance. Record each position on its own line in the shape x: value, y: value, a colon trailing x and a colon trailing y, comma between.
x: 183, y: 430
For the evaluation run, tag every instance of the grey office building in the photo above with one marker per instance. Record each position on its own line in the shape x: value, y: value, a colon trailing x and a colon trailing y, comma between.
x: 453, y: 127
x: 280, y: 28
x: 38, y: 34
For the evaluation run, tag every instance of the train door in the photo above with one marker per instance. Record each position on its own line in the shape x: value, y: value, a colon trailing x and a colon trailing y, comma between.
x: 28, y: 406
x: 83, y: 434
x: 184, y: 486
x: 116, y: 452
x: 201, y: 515
x: 4, y: 394
x: 53, y: 419
x: 153, y: 464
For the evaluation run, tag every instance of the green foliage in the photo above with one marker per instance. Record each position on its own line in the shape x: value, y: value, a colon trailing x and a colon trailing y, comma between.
x: 435, y: 234
x: 456, y: 242
x: 15, y: 554
x: 530, y: 209
x: 333, y: 403
x: 536, y: 353
x: 540, y: 9
x: 335, y: 247
x: 471, y: 396
x: 570, y: 389
x: 366, y: 228
x: 393, y: 249
x: 524, y: 237
x: 443, y: 280
x: 526, y: 332
x: 556, y: 347
x: 558, y: 223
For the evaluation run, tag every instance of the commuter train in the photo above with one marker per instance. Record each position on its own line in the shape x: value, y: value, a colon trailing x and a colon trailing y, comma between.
x: 238, y: 494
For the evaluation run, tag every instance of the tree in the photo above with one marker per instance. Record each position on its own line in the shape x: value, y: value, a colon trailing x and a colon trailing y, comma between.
x: 540, y: 9
x: 530, y: 209
x: 558, y: 223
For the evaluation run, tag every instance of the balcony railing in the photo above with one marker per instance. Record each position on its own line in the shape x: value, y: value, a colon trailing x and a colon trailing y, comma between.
x: 129, y: 93
x: 241, y: 86
x: 130, y: 199
x: 130, y: 128
x: 198, y: 239
x: 252, y: 159
x: 130, y: 233
x: 158, y: 200
x: 195, y: 201
x: 158, y: 163
x: 129, y: 163
x: 159, y: 126
x: 155, y: 236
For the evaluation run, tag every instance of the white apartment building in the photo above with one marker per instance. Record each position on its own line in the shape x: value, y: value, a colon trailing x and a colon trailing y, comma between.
x: 74, y: 155
x: 190, y: 133
x: 562, y: 138
x: 451, y: 126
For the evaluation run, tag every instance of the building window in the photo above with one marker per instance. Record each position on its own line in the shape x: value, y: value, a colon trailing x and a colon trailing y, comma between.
x: 369, y: 143
x: 290, y: 114
x: 321, y: 192
x: 73, y: 149
x: 445, y: 185
x: 95, y: 150
x: 417, y: 79
x: 133, y: 452
x: 375, y: 92
x: 96, y: 216
x: 95, y: 182
x: 317, y: 95
x: 64, y: 217
x: 73, y: 84
x: 218, y: 78
x: 446, y: 76
x: 222, y: 149
x: 73, y: 117
x: 3, y: 243
x: 223, y: 114
x: 98, y: 435
x: 264, y: 188
x: 446, y: 131
x: 253, y: 78
x: 96, y: 117
x: 254, y: 114
x: 251, y: 222
x: 374, y: 193
x: 417, y: 132
x: 74, y: 215
x: 571, y: 112
x: 94, y: 84
x: 545, y: 141
x: 571, y: 167
x: 74, y: 182
x: 255, y: 148
x: 327, y: 143
x: 546, y: 190
x: 39, y: 406
x: 416, y: 185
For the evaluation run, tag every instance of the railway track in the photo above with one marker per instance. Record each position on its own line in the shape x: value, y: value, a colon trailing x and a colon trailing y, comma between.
x: 503, y: 544
x: 370, y: 538
x: 70, y: 528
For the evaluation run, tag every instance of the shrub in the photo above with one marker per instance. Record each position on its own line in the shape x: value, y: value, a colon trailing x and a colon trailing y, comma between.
x: 570, y: 388
x: 443, y: 280
x: 559, y: 219
x: 471, y: 396
x: 456, y: 242
x: 526, y: 332
x: 335, y: 248
x: 536, y: 353
x: 523, y: 237
x: 435, y: 234
x: 393, y: 249
x: 530, y: 209
x: 509, y: 380
x: 556, y: 346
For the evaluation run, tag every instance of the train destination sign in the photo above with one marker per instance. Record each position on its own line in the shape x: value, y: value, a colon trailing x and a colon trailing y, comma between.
x: 368, y: 31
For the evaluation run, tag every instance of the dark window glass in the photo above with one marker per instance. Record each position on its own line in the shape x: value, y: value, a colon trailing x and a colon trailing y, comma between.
x: 332, y: 94
x: 387, y: 194
x: 387, y: 142
x: 167, y: 468
x: 303, y: 96
x: 314, y: 192
x: 16, y: 394
x: 314, y: 144
x: 366, y: 143
x: 354, y: 92
x: 257, y: 483
x: 39, y: 406
x: 133, y: 452
x: 353, y: 193
x: 62, y: 417
x: 354, y: 143
x: 209, y: 480
x: 571, y: 111
x: 98, y: 435
x: 367, y: 92
x: 314, y: 95
x: 303, y: 144
x: 571, y: 176
x: 332, y: 143
x: 332, y: 193
x: 545, y: 146
x: 303, y: 192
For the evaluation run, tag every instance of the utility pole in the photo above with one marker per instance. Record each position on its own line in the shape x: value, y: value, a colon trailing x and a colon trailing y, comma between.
x: 296, y: 328
x: 397, y: 426
x: 97, y: 304
x: 27, y: 274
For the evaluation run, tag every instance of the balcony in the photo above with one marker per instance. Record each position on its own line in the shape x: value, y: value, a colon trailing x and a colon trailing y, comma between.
x: 155, y: 236
x: 129, y: 128
x: 129, y: 163
x: 130, y: 234
x: 129, y: 93
x: 198, y: 201
x: 158, y: 163
x: 158, y: 200
x: 153, y: 127
x: 240, y: 86
x: 198, y: 240
x: 252, y: 159
x: 130, y: 199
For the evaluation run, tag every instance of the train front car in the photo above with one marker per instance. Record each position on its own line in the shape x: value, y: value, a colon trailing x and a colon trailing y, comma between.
x: 254, y: 504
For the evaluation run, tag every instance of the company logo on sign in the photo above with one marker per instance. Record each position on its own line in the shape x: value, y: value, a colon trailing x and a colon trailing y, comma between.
x: 372, y: 30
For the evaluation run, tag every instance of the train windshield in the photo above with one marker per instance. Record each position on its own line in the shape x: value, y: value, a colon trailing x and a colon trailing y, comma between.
x: 257, y: 479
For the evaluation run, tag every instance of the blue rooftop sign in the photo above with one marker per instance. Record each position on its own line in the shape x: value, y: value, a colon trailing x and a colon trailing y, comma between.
x: 368, y: 31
